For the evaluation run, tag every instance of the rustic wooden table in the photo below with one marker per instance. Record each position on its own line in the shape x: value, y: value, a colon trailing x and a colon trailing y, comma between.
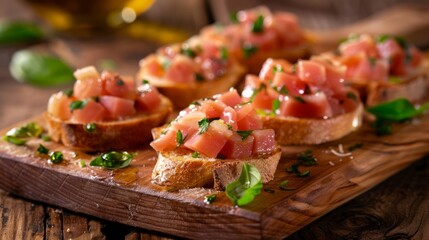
x: 396, y: 209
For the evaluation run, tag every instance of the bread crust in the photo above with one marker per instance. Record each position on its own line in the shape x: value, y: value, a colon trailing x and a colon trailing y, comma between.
x: 112, y: 135
x: 182, y: 94
x: 179, y: 169
x: 297, y: 131
x: 413, y: 89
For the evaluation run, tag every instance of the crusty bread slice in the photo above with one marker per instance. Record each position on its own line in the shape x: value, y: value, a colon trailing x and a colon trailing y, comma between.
x: 179, y: 169
x: 112, y: 135
x: 182, y: 94
x: 414, y: 89
x: 292, y: 130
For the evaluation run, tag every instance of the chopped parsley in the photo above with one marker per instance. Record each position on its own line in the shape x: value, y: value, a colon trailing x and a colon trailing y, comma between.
x: 258, y: 25
x: 204, y: 125
x: 188, y: 52
x: 195, y: 154
x: 112, y: 160
x: 224, y: 54
x: 278, y: 68
x: 180, y: 139
x: 145, y: 81
x: 233, y: 17
x: 68, y: 92
x: 355, y: 146
x: 119, y: 82
x: 249, y: 50
x: 299, y: 99
x: 305, y: 158
x: 78, y: 104
x: 284, y: 186
x: 42, y: 149
x: 244, y: 134
x: 56, y: 157
x: 351, y: 96
x: 275, y: 105
x: 210, y: 198
x: 282, y: 90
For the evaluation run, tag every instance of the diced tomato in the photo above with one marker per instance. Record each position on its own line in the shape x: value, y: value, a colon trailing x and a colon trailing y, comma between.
x: 229, y: 116
x: 213, y: 109
x: 166, y: 142
x: 188, y: 124
x: 264, y: 141
x: 293, y: 85
x: 236, y: 148
x: 87, y: 88
x: 152, y: 66
x: 116, y: 86
x: 91, y: 112
x: 230, y: 98
x: 59, y: 106
x: 211, y: 142
x: 365, y: 44
x: 117, y: 107
x: 306, y: 106
x: 250, y: 122
x: 311, y: 72
x: 149, y: 99
x: 181, y: 69
x: 264, y: 99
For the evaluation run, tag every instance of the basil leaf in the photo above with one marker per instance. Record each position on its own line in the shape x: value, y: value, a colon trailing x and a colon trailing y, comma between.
x: 112, y: 160
x: 243, y: 190
x: 20, y: 32
x: 40, y: 70
x: 397, y: 110
x: 204, y: 125
x: 258, y: 25
x: 244, y: 134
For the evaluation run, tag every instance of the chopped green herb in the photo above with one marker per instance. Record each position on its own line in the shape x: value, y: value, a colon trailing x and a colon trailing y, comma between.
x: 78, y: 104
x: 275, y: 105
x: 120, y: 82
x: 269, y: 190
x: 199, y: 77
x: 355, y: 146
x: 90, y: 127
x: 195, y: 154
x: 382, y: 38
x: 233, y: 17
x: 68, y: 92
x: 42, y: 149
x: 56, y: 157
x: 229, y: 126
x: 188, y: 52
x: 293, y: 69
x: 352, y: 96
x: 283, y: 186
x: 249, y: 50
x: 305, y: 174
x: 401, y: 41
x: 397, y: 110
x: 261, y: 87
x: 224, y: 54
x: 196, y: 103
x: 282, y: 90
x: 299, y: 99
x: 45, y: 137
x: 20, y: 135
x: 307, y: 158
x: 112, y: 160
x: 244, y: 134
x: 258, y: 25
x: 145, y: 81
x: 210, y: 198
x: 278, y: 68
x: 180, y: 139
x: 243, y: 190
x: 204, y: 125
x: 82, y: 163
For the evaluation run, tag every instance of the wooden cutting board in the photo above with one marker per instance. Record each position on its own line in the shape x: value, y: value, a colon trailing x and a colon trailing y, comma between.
x: 127, y: 195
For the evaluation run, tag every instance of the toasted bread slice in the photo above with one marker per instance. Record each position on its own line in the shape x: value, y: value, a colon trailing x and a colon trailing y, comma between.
x: 182, y: 94
x: 112, y: 135
x: 414, y: 89
x: 292, y: 130
x: 180, y: 170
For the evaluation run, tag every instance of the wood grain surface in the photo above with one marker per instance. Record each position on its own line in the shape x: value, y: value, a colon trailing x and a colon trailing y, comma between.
x: 128, y: 196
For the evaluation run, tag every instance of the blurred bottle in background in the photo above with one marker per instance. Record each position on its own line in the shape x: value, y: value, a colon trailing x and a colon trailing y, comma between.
x: 86, y: 17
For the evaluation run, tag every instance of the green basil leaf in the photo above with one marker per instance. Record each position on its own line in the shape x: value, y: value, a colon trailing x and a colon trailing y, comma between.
x: 397, y: 110
x: 204, y: 125
x: 40, y: 70
x: 112, y: 160
x: 258, y: 25
x: 243, y: 190
x: 20, y: 32
x: 244, y: 134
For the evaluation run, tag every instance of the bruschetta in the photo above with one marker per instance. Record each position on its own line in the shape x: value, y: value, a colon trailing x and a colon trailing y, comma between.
x: 105, y: 112
x: 383, y: 68
x: 208, y: 142
x: 305, y: 103
x: 257, y: 34
x: 192, y: 70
